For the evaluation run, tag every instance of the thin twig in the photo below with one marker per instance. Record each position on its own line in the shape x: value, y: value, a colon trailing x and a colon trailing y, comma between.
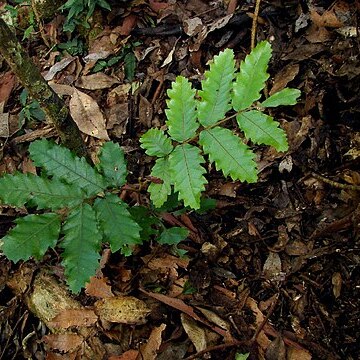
x: 254, y: 23
x: 335, y: 184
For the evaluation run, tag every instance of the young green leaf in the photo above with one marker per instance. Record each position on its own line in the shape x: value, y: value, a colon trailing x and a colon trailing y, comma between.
x: 117, y: 224
x: 173, y: 236
x: 252, y: 76
x: 181, y: 112
x: 156, y: 143
x: 216, y: 89
x: 160, y: 192
x: 229, y: 153
x: 32, y: 236
x: 61, y: 163
x: 187, y: 174
x: 286, y: 96
x: 147, y: 221
x: 81, y: 246
x: 262, y: 129
x: 112, y: 164
x: 19, y: 188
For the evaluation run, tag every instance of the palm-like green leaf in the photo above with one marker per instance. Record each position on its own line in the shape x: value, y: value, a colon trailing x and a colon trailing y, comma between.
x: 59, y: 162
x: 160, y: 192
x: 117, y: 224
x: 216, y: 89
x: 229, y: 153
x: 262, y: 129
x: 181, y: 112
x: 252, y: 76
x: 286, y: 96
x: 81, y: 246
x: 187, y: 174
x: 156, y: 143
x: 31, y: 237
x: 112, y: 164
x: 19, y: 188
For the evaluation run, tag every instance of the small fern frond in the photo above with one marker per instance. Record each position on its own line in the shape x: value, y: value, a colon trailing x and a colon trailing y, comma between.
x: 31, y: 237
x: 61, y: 163
x: 112, y: 164
x: 216, y: 89
x: 156, y: 143
x: 81, y: 246
x: 160, y: 192
x: 181, y: 113
x: 229, y: 153
x: 285, y: 96
x: 262, y: 129
x: 18, y: 189
x: 117, y: 224
x: 252, y: 76
x: 187, y: 174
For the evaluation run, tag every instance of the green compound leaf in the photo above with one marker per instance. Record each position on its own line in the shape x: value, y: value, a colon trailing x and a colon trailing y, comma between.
x: 286, y: 96
x: 59, y: 162
x: 229, y: 153
x: 173, y: 236
x: 181, y: 112
x: 252, y: 76
x: 81, y: 246
x: 112, y: 164
x: 187, y: 174
x: 32, y: 236
x: 156, y: 143
x: 262, y: 129
x: 117, y: 224
x: 160, y: 192
x: 216, y: 89
x: 19, y: 188
x: 148, y: 222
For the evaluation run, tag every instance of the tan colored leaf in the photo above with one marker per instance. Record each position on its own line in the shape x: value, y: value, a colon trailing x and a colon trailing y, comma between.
x: 272, y: 266
x: 87, y: 115
x: 74, y: 317
x: 63, y: 342
x: 7, y: 83
x: 195, y: 333
x: 122, y: 309
x: 127, y: 355
x: 284, y: 76
x: 149, y: 350
x: 214, y: 318
x: 336, y: 280
x: 96, y: 81
x: 296, y: 354
x: 98, y: 287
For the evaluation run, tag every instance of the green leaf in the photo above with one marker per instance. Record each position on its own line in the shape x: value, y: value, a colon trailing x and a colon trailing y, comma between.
x: 239, y: 356
x: 32, y: 236
x: 61, y: 163
x: 112, y: 164
x: 81, y: 246
x: 160, y: 192
x: 187, y: 174
x: 262, y: 129
x: 18, y: 189
x: 229, y: 153
x: 181, y: 114
x: 252, y: 76
x: 216, y: 89
x: 147, y: 221
x: 129, y: 66
x: 173, y: 236
x: 119, y: 228
x: 286, y: 96
x: 156, y: 143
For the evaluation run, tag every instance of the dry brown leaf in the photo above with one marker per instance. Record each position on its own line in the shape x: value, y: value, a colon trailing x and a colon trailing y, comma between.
x: 96, y: 81
x: 127, y: 355
x: 58, y: 67
x: 296, y: 354
x: 283, y: 77
x: 7, y: 83
x: 336, y: 280
x: 149, y: 350
x: 74, y: 317
x: 272, y: 266
x: 214, y: 318
x: 276, y: 350
x: 98, y: 287
x: 195, y: 333
x: 4, y: 122
x: 122, y: 309
x: 63, y: 342
x: 87, y: 115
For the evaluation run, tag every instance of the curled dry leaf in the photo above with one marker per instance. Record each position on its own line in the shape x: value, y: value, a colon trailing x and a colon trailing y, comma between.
x: 87, y: 115
x: 122, y: 309
x: 196, y: 333
x: 149, y: 350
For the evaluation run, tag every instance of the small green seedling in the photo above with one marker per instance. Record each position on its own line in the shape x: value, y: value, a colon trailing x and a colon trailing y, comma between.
x: 194, y: 127
x: 79, y: 204
x: 31, y: 109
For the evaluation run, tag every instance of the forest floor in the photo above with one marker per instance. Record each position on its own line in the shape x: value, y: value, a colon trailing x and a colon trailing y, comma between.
x: 273, y: 271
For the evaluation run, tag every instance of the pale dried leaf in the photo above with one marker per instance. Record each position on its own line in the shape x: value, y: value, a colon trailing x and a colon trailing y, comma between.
x: 149, y: 350
x: 62, y: 64
x: 196, y: 334
x: 63, y: 342
x: 87, y: 115
x: 96, y: 81
x: 214, y: 318
x: 74, y: 317
x: 336, y: 281
x: 296, y: 354
x: 272, y: 266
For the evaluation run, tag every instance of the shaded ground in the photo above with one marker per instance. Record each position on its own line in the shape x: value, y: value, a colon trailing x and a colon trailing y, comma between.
x: 276, y: 264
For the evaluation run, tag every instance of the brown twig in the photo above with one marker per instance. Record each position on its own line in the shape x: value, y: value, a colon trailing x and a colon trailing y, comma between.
x: 254, y: 23
x: 335, y: 184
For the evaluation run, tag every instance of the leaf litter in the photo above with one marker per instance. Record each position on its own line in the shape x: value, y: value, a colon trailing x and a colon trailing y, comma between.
x: 276, y: 262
